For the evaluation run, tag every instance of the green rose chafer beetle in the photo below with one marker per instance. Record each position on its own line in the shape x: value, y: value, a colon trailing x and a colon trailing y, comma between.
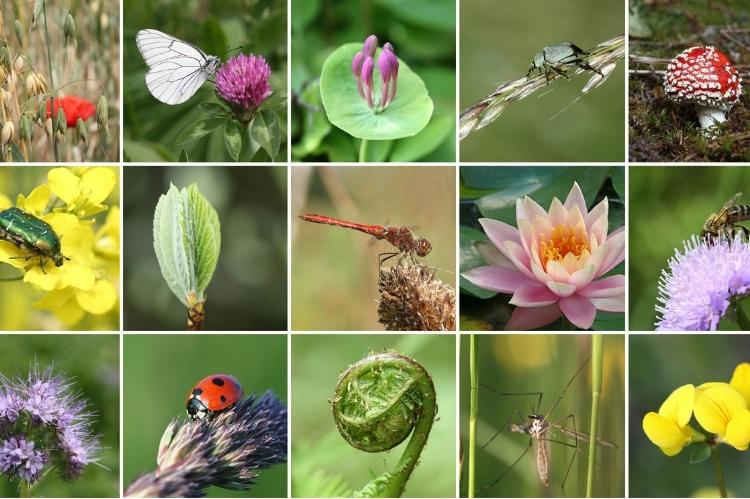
x: 31, y: 234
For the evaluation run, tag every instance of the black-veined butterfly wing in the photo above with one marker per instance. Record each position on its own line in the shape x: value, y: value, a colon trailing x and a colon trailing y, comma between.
x: 177, y: 69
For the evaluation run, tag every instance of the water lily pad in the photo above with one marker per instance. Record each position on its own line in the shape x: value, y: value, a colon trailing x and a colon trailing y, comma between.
x: 409, y: 112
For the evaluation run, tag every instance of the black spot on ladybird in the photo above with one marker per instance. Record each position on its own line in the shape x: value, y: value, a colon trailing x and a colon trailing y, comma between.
x: 223, y: 398
x: 218, y: 381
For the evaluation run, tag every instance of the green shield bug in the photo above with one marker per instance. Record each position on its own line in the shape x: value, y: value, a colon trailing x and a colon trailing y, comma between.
x: 557, y: 59
x: 31, y: 234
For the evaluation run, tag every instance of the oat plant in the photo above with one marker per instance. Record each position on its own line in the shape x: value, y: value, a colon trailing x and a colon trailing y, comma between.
x: 598, y: 62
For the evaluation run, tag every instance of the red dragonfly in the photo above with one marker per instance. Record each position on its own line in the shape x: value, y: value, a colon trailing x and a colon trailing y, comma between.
x: 400, y: 237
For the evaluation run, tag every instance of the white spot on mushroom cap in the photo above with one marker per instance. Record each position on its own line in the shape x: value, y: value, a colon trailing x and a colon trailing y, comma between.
x: 698, y: 78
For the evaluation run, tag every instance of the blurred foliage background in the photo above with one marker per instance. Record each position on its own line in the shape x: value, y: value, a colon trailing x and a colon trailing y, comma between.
x: 17, y: 310
x: 151, y: 127
x: 662, y: 130
x: 93, y: 362
x: 492, y: 191
x: 160, y: 371
x: 658, y: 365
x: 546, y: 363
x: 324, y: 463
x: 335, y: 270
x: 423, y: 33
x: 87, y: 67
x: 498, y: 43
x: 248, y: 289
x: 673, y: 203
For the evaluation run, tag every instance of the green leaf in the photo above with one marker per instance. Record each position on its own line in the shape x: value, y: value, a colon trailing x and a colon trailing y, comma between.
x: 423, y: 13
x: 470, y: 258
x: 265, y: 131
x: 618, y: 181
x: 378, y: 150
x: 187, y: 240
x: 198, y: 130
x: 183, y: 156
x: 413, y: 148
x: 406, y: 116
x: 214, y: 110
x: 233, y: 139
x: 700, y: 454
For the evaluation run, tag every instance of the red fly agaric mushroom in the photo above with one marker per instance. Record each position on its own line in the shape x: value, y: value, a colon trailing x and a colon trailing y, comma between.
x: 706, y: 77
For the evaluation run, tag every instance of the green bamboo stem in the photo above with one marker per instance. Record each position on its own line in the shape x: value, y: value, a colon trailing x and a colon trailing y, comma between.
x: 596, y: 388
x: 473, y: 407
x: 718, y: 471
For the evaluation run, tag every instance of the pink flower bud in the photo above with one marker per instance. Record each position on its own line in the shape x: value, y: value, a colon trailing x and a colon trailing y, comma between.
x: 359, y: 59
x: 371, y: 44
x: 384, y: 63
x: 367, y: 68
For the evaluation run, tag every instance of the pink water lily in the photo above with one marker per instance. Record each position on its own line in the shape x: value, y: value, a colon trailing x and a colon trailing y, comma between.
x: 553, y: 262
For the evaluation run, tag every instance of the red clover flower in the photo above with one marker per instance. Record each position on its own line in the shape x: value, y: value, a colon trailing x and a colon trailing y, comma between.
x: 363, y: 65
x: 43, y: 422
x: 242, y: 82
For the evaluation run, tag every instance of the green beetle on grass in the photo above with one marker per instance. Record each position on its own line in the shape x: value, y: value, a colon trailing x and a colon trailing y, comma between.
x: 557, y: 59
x: 31, y: 234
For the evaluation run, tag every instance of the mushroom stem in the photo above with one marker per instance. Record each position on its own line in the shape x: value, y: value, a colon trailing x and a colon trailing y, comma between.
x: 710, y: 116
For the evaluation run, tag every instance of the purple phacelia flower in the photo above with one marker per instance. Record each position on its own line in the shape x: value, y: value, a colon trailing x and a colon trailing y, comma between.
x: 19, y: 458
x: 697, y: 289
x: 242, y: 82
x: 10, y: 404
x: 363, y: 72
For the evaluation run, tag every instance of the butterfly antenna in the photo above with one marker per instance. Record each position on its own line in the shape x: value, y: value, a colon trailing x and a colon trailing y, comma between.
x: 232, y: 50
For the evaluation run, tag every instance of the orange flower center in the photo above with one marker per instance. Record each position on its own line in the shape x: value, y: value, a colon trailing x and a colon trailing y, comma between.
x: 563, y: 240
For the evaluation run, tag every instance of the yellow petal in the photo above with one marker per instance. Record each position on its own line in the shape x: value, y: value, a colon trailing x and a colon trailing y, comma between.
x: 78, y: 276
x: 38, y: 200
x: 99, y: 299
x: 678, y: 407
x: 738, y: 431
x: 13, y: 255
x: 46, y: 280
x: 741, y: 380
x: 97, y: 184
x: 665, y: 433
x: 5, y: 202
x: 716, y: 406
x: 64, y: 184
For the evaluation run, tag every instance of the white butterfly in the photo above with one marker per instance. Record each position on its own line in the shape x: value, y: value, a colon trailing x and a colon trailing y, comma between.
x: 177, y: 69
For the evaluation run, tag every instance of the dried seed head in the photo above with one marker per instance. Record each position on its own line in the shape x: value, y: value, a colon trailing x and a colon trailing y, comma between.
x: 5, y: 59
x: 8, y: 133
x: 48, y: 126
x: 3, y: 76
x: 41, y: 112
x: 81, y: 132
x: 26, y: 128
x: 411, y: 299
x: 19, y: 64
x: 42, y: 82
x: 69, y: 31
x: 102, y: 112
x: 62, y: 121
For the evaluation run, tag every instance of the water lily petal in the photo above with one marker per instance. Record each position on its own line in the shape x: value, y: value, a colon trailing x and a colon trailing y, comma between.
x: 605, y: 287
x: 528, y: 209
x: 601, y: 209
x: 678, y: 407
x: 524, y: 319
x: 526, y: 230
x: 598, y: 229
x: 557, y: 271
x: 610, y: 304
x: 557, y: 213
x: 575, y: 198
x: 500, y: 279
x: 738, y: 431
x: 579, y: 310
x: 574, y: 218
x: 561, y: 289
x: 533, y: 296
x: 716, y: 405
x: 499, y: 232
x: 741, y: 380
x: 519, y: 257
x: 581, y: 278
x: 493, y: 256
x: 664, y: 433
x: 615, y: 251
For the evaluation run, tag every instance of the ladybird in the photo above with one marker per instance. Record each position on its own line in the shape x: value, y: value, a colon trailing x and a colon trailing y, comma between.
x: 213, y: 394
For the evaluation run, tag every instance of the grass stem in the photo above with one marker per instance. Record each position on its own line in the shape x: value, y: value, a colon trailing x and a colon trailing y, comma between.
x: 473, y: 407
x: 52, y: 113
x: 596, y: 388
x: 363, y: 146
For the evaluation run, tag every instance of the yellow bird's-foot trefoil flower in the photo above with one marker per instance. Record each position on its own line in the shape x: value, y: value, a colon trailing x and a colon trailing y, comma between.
x: 721, y: 409
x: 669, y: 428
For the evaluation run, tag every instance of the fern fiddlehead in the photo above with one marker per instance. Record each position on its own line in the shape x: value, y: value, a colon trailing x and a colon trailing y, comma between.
x: 378, y: 402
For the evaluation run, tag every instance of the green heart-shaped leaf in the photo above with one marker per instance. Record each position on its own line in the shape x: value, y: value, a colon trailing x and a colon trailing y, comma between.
x: 405, y: 116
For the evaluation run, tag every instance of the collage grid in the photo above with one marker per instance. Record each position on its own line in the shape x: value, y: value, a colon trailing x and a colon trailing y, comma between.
x: 137, y: 378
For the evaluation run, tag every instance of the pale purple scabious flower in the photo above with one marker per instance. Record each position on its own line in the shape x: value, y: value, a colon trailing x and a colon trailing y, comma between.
x: 363, y: 65
x: 242, y: 82
x: 19, y: 458
x: 43, y: 421
x: 697, y: 289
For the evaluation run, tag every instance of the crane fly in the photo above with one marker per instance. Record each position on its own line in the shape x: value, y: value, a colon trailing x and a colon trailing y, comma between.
x: 539, y: 429
x: 399, y: 236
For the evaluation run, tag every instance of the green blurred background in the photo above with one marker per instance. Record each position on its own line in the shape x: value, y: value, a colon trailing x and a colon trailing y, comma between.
x: 159, y: 372
x: 658, y: 365
x: 423, y: 33
x: 323, y: 460
x: 248, y: 289
x: 151, y: 127
x: 93, y: 363
x: 499, y: 41
x: 492, y: 192
x: 672, y: 205
x: 17, y: 311
x: 546, y: 363
x: 335, y: 270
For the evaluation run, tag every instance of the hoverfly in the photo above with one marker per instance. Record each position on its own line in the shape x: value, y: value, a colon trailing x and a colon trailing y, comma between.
x: 724, y: 223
